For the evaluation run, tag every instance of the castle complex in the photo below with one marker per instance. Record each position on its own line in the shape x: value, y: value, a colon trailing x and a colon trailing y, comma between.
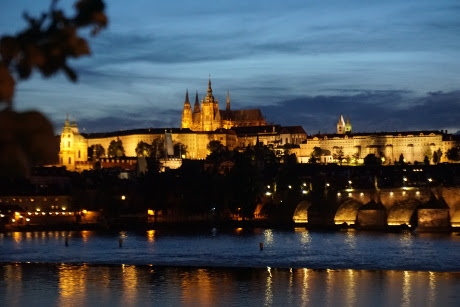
x: 241, y: 128
x: 411, y: 146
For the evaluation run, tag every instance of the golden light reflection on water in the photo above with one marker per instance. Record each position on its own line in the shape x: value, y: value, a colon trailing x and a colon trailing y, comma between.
x: 17, y: 236
x: 72, y: 284
x: 350, y: 293
x: 151, y: 236
x: 431, y: 289
x: 406, y: 289
x: 85, y: 234
x: 198, y: 288
x: 268, y: 289
x: 130, y: 284
x: 305, y: 288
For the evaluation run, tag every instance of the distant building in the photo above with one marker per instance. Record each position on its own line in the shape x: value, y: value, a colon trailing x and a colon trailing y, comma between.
x: 412, y: 146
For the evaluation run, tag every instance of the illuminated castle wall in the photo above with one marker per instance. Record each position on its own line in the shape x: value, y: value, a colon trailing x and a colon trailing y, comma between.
x: 413, y: 145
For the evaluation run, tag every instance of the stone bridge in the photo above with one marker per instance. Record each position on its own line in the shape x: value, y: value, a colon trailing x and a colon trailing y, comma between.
x: 430, y: 208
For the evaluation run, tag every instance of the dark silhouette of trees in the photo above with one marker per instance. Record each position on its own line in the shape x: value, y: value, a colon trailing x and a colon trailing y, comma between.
x: 96, y: 151
x: 143, y: 149
x: 116, y: 149
x: 426, y: 160
x: 215, y: 147
x: 453, y: 154
x: 372, y: 159
x: 180, y: 150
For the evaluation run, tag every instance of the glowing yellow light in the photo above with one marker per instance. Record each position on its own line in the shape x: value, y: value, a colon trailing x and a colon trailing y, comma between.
x: 38, y: 209
x: 64, y: 208
x: 84, y: 211
x: 43, y: 213
x: 150, y: 212
x: 268, y: 193
x: 405, y: 179
x: 327, y: 184
x: 28, y: 220
x: 339, y: 194
x: 29, y: 213
x: 13, y: 220
x: 304, y: 184
x: 290, y: 187
x: 16, y: 213
x: 123, y: 197
x: 268, y: 187
x: 304, y: 192
x: 430, y: 180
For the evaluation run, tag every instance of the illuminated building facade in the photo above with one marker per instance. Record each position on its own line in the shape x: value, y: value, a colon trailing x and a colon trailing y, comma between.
x: 389, y: 146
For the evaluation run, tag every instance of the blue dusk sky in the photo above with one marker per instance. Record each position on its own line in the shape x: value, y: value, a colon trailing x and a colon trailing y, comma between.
x: 388, y: 65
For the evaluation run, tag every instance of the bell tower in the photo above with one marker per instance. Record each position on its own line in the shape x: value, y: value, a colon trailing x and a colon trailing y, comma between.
x: 187, y: 113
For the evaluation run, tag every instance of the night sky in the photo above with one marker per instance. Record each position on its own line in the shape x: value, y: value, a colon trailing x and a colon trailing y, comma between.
x: 389, y: 65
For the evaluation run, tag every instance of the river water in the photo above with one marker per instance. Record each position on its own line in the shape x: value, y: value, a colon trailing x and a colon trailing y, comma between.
x: 214, y: 267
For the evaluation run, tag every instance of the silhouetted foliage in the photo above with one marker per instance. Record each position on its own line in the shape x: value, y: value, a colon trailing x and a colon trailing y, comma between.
x: 96, y: 151
x: 453, y: 154
x: 143, y: 149
x: 47, y: 43
x: 426, y: 160
x: 372, y: 159
x: 116, y: 149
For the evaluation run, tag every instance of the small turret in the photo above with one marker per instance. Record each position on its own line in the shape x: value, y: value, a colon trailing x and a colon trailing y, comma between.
x: 341, y: 125
x: 348, y: 126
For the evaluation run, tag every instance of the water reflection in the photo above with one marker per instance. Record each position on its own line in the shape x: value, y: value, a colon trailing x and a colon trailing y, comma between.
x: 72, y: 284
x: 268, y: 290
x: 130, y: 284
x: 69, y: 285
x: 151, y: 236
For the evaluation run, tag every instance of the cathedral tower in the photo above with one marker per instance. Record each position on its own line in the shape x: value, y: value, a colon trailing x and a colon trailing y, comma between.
x: 209, y: 109
x: 187, y: 113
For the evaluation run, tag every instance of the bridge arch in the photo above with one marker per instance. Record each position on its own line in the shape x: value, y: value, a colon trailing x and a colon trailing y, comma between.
x: 301, y: 212
x: 347, y: 212
x: 403, y: 213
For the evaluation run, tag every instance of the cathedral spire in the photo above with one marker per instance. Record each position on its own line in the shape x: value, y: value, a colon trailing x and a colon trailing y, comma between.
x: 228, y: 101
x: 187, y: 101
x: 196, y: 108
x: 209, y: 87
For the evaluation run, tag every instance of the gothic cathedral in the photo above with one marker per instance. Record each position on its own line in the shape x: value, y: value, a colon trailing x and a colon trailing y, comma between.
x: 208, y: 117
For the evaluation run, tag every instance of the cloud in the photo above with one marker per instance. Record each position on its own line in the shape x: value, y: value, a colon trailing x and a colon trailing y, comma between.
x: 370, y: 111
